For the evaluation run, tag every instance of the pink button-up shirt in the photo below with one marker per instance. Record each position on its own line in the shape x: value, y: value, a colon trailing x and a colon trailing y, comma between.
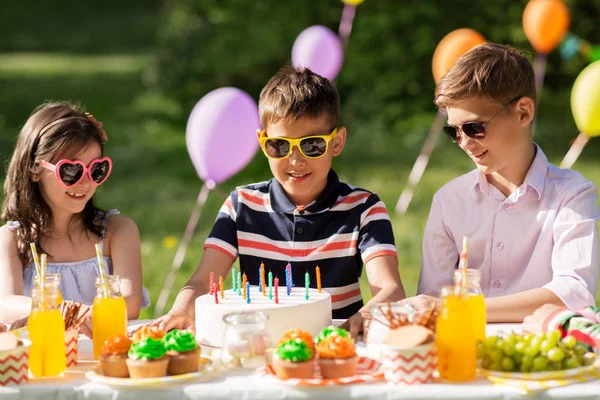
x: 545, y: 234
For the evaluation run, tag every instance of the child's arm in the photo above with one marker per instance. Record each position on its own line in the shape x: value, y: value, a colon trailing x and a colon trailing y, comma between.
x: 182, y: 313
x: 574, y: 262
x: 13, y: 305
x: 127, y: 262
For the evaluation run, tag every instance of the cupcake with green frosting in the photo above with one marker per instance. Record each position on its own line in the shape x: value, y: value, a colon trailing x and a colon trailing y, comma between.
x: 332, y: 331
x: 147, y: 359
x: 294, y: 359
x: 183, y: 352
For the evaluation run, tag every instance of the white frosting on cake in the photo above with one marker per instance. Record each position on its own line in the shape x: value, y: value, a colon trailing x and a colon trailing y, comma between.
x: 293, y: 311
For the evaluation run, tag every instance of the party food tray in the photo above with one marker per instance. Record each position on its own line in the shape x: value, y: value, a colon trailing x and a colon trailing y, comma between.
x: 207, y: 371
x: 545, y: 375
x: 367, y: 370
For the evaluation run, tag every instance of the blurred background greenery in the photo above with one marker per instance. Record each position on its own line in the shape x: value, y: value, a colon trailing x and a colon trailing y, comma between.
x: 141, y: 65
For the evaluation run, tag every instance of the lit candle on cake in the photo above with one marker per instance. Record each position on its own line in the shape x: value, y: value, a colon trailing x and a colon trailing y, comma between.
x: 222, y: 287
x: 276, y: 290
x: 233, y: 281
x: 288, y: 279
x: 306, y: 284
x: 259, y: 281
x: 211, y: 281
x: 216, y: 295
x: 270, y: 285
x: 239, y: 283
x: 318, y: 270
x: 262, y: 279
x: 244, y: 288
x: 248, y: 292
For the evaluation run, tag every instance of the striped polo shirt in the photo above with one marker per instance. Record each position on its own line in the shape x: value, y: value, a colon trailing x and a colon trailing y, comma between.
x: 340, y: 231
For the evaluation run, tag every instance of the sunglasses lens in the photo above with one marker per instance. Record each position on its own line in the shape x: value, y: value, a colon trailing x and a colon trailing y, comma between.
x: 277, y: 148
x: 70, y: 174
x: 313, y: 147
x: 99, y: 170
x: 451, y: 132
x: 475, y: 130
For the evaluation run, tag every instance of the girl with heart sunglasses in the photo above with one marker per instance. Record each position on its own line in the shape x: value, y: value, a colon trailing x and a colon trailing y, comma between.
x: 57, y: 165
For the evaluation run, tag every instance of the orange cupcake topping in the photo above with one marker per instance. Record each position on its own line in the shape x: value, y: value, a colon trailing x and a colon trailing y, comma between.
x: 116, y: 345
x: 302, y: 335
x: 333, y: 347
x: 148, y: 332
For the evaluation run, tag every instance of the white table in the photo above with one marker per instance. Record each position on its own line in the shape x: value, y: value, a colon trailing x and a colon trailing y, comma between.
x: 249, y: 386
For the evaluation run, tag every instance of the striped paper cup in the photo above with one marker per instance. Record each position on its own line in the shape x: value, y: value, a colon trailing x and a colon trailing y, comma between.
x: 410, y: 366
x: 14, y: 364
x: 72, y: 346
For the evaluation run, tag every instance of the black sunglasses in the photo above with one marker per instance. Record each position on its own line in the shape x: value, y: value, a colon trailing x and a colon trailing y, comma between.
x: 474, y: 130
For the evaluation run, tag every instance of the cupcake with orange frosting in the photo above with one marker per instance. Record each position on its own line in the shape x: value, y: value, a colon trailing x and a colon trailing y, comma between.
x: 298, y: 334
x: 294, y: 359
x: 147, y: 332
x: 337, y: 353
x: 183, y: 352
x: 113, y: 358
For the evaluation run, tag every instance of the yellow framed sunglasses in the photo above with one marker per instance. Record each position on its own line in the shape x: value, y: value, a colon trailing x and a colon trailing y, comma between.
x: 281, y: 147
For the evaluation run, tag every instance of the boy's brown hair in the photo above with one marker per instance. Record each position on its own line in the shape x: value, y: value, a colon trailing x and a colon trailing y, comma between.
x: 296, y: 93
x: 490, y: 70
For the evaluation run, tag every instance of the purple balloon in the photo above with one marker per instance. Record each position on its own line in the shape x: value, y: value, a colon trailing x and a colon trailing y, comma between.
x: 221, y: 134
x: 319, y: 49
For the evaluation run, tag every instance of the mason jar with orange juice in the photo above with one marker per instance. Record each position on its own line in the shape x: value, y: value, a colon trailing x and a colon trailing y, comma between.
x: 476, y: 301
x: 455, y: 339
x: 50, y: 280
x: 109, y: 312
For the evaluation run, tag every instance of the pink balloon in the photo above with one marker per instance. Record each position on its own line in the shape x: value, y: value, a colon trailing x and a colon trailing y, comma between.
x: 319, y: 49
x: 221, y: 134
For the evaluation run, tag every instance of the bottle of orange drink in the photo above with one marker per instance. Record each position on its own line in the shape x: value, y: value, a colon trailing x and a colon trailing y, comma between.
x: 51, y: 280
x: 475, y: 301
x: 109, y: 312
x: 46, y: 327
x: 455, y: 340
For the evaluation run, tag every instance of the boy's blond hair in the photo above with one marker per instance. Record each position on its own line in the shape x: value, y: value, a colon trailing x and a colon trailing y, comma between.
x: 295, y: 93
x: 490, y: 70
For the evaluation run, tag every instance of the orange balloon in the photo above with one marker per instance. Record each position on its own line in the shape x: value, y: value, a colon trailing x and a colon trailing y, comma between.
x: 451, y: 47
x: 545, y: 23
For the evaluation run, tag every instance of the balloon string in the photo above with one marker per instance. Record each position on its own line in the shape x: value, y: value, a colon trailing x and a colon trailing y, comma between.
x: 575, y: 150
x: 348, y: 14
x: 539, y: 69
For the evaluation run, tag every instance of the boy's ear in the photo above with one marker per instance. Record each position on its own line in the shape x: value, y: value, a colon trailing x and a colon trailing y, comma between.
x: 526, y: 109
x: 258, y: 133
x: 338, y: 142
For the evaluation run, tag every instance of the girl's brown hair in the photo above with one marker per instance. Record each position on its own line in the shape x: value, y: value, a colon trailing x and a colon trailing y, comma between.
x: 52, y: 132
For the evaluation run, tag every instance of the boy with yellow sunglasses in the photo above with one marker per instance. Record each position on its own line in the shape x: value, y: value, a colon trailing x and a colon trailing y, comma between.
x: 305, y: 216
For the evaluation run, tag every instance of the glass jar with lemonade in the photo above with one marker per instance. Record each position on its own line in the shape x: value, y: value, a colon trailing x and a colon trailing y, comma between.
x: 52, y: 280
x: 109, y: 312
x: 47, y: 356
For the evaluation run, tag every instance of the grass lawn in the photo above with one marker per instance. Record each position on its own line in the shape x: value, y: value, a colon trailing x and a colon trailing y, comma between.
x: 153, y: 179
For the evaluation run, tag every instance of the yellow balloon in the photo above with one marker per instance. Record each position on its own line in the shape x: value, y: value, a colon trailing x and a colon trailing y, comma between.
x: 585, y: 100
x: 353, y: 2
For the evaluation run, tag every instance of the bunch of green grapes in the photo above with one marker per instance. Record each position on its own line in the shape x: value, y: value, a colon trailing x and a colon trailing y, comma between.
x: 533, y: 353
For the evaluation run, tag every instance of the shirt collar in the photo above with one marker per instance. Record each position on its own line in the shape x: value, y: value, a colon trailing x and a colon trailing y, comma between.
x: 535, y: 178
x: 281, y: 203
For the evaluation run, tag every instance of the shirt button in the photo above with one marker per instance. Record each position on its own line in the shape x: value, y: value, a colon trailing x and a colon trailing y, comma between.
x: 299, y: 231
x: 500, y: 245
x: 497, y: 284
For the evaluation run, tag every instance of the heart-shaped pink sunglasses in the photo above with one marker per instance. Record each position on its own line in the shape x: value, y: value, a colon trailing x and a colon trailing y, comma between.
x: 70, y: 172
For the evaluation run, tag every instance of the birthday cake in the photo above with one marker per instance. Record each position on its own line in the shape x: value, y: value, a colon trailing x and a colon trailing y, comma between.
x: 293, y: 311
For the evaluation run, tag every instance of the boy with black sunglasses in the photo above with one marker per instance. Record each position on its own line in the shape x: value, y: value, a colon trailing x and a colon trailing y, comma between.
x: 305, y: 215
x: 532, y: 227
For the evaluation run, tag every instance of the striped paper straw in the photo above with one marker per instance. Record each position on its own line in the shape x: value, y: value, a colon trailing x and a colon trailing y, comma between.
x: 36, y: 259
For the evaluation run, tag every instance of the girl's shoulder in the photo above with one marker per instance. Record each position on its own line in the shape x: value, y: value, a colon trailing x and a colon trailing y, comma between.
x: 118, y: 224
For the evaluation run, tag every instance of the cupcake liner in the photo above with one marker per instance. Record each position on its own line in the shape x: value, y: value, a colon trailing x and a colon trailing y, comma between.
x: 114, y: 365
x: 410, y: 366
x: 286, y: 369
x: 338, y: 368
x: 14, y: 365
x: 147, y: 368
x: 72, y: 346
x: 183, y: 363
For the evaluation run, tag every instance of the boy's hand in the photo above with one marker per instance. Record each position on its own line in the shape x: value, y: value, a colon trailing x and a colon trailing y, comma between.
x: 3, y: 328
x: 534, y: 323
x: 422, y: 301
x: 175, y: 319
x: 355, y: 324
